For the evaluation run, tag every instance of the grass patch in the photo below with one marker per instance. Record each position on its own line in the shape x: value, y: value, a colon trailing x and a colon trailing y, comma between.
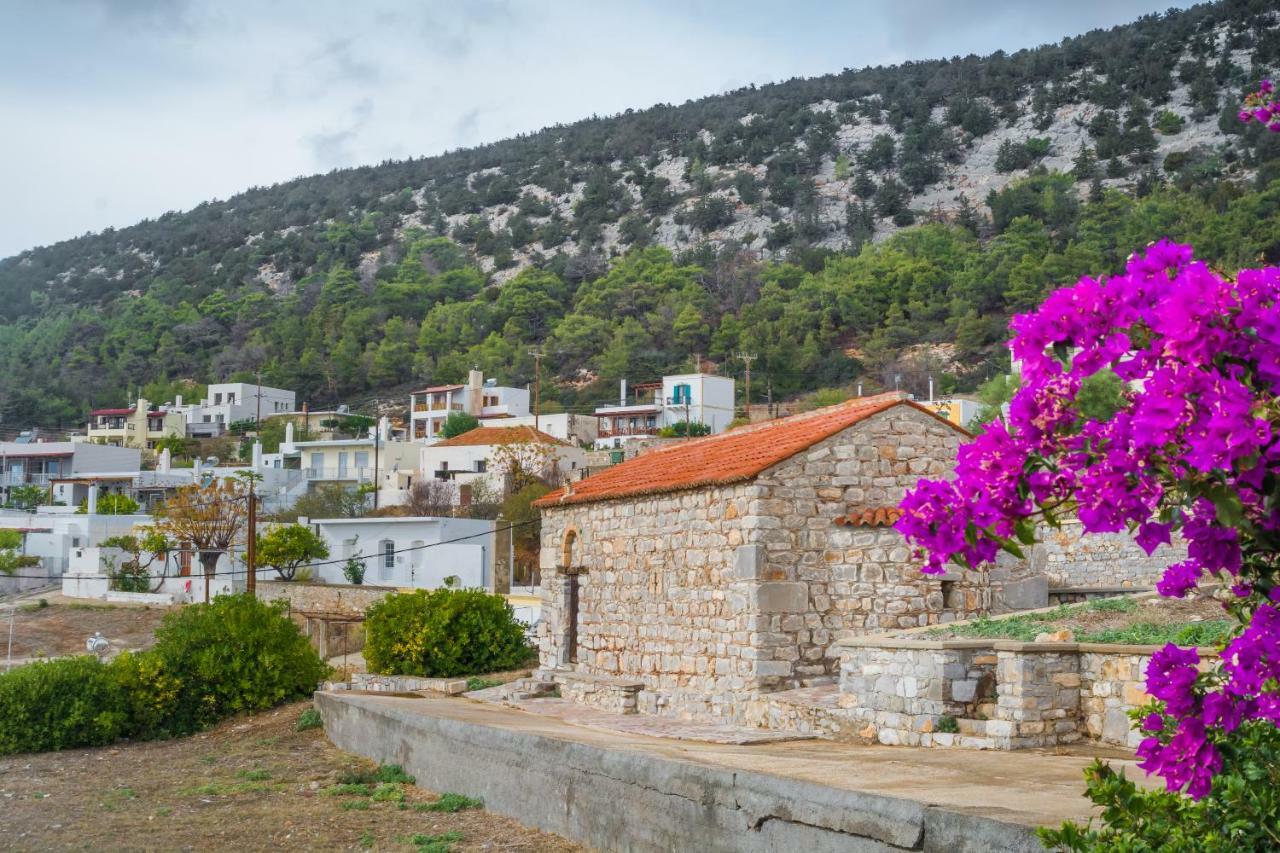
x: 226, y: 789
x: 310, y: 719
x: 1025, y: 628
x: 356, y: 805
x: 255, y: 775
x: 388, y: 792
x: 475, y: 682
x: 450, y: 802
x: 367, y: 840
x: 1211, y: 632
x: 346, y: 789
x: 164, y: 811
x: 440, y: 843
x: 382, y: 773
x: 117, y: 797
x: 268, y: 741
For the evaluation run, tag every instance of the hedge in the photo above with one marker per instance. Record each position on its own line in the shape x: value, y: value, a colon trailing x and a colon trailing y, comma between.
x: 443, y: 633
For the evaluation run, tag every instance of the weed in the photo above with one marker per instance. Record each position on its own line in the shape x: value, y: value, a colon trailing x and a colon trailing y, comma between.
x: 117, y: 797
x: 947, y: 725
x: 450, y: 802
x: 475, y: 682
x: 388, y: 792
x: 268, y: 741
x: 441, y: 843
x: 255, y: 775
x: 310, y: 719
x: 164, y: 811
x: 367, y: 840
x: 355, y: 805
x: 383, y: 773
x: 209, y: 759
x: 226, y: 789
x: 345, y: 789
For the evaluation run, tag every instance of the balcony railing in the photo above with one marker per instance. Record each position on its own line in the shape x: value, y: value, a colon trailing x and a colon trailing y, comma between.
x: 609, y: 432
x: 24, y: 478
x: 340, y: 474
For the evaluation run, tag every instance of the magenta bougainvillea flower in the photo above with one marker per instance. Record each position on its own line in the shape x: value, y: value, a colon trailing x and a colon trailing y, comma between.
x: 1193, y: 450
x: 1262, y: 107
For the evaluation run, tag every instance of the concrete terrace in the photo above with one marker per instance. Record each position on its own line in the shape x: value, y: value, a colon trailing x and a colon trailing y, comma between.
x: 814, y: 795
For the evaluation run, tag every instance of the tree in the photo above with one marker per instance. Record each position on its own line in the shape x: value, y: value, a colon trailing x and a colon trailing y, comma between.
x: 526, y: 522
x: 209, y: 519
x: 523, y: 463
x: 328, y: 500
x: 287, y: 547
x: 457, y: 423
x: 112, y: 503
x: 144, y: 548
x: 11, y: 556
x: 179, y: 446
x: 27, y: 496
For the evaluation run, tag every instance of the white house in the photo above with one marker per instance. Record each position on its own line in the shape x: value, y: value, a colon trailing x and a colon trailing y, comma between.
x: 375, y: 458
x: 486, y: 455
x: 701, y: 398
x: 228, y: 402
x: 411, y: 552
x: 430, y: 407
x: 40, y: 463
x: 575, y: 429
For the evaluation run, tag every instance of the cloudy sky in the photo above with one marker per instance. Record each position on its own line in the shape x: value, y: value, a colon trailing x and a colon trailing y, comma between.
x: 114, y: 111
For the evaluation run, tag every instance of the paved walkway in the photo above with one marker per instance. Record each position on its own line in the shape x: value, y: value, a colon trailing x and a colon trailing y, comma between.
x: 1028, y: 787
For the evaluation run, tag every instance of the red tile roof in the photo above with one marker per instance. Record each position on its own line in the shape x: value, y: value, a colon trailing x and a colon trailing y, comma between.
x: 482, y: 436
x: 436, y: 389
x: 730, y: 457
x: 112, y: 412
x: 882, y: 516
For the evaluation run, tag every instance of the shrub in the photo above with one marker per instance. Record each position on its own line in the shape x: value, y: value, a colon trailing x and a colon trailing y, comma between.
x: 354, y: 571
x: 309, y: 719
x: 443, y: 633
x: 235, y: 654
x: 60, y: 703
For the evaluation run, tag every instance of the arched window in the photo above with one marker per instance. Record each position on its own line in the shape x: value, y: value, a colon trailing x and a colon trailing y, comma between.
x: 568, y: 549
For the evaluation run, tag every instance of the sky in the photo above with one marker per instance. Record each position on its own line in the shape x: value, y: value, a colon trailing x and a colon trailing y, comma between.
x: 113, y: 111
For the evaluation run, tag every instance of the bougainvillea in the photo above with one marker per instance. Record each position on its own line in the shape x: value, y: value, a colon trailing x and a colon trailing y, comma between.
x: 1261, y: 106
x: 1194, y: 449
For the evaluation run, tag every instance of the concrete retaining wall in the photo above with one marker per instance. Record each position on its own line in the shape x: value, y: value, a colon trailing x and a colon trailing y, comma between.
x: 617, y: 799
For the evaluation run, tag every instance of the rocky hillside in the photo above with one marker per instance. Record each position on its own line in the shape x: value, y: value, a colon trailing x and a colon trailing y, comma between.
x: 798, y: 172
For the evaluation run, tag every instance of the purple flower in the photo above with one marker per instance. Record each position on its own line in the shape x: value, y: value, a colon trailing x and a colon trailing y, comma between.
x: 1179, y: 579
x: 1171, y: 674
x: 1152, y: 722
x: 1151, y: 535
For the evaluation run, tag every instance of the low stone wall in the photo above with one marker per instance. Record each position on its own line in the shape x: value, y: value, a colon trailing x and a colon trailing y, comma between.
x: 327, y: 598
x: 616, y: 695
x: 1072, y: 558
x: 1000, y: 694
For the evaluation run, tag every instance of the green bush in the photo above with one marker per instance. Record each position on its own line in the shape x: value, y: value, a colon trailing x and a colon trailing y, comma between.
x: 61, y: 703
x: 209, y: 661
x: 235, y: 654
x: 1240, y: 812
x: 443, y: 633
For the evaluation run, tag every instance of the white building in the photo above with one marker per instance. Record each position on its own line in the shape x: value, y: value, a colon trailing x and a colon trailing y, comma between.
x: 40, y: 463
x: 699, y: 398
x: 575, y: 429
x: 430, y: 407
x: 488, y: 454
x: 409, y: 552
x: 228, y: 402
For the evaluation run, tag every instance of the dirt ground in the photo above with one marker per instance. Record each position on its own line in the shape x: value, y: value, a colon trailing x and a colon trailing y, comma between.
x: 62, y: 627
x: 253, y: 783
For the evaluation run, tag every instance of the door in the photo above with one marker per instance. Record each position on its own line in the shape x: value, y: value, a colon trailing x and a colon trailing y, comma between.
x: 342, y: 465
x: 571, y: 646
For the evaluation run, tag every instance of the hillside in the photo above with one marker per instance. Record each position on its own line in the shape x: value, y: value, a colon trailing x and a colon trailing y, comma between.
x: 760, y: 220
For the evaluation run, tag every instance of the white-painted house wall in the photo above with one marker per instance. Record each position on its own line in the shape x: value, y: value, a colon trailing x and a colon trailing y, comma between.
x: 458, y: 547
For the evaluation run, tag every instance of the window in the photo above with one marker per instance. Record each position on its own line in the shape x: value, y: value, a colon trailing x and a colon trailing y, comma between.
x: 217, y: 399
x: 362, y: 459
x: 682, y: 394
x: 482, y: 465
x: 231, y: 398
x: 388, y: 554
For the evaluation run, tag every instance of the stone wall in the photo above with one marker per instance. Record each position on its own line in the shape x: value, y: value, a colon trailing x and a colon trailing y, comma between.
x: 714, y: 595
x: 1001, y: 694
x: 1072, y: 558
x: 323, y: 598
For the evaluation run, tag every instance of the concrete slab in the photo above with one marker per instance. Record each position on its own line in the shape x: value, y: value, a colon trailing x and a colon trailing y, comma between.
x: 620, y: 791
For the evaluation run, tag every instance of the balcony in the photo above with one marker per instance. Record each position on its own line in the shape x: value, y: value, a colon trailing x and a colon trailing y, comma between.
x: 23, y: 478
x: 608, y: 431
x: 349, y: 473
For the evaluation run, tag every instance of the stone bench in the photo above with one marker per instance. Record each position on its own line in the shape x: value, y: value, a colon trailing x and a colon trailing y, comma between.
x: 608, y: 693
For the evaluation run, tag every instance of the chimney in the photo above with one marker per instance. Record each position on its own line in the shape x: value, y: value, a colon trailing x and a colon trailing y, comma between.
x: 475, y: 379
x: 622, y: 393
x: 257, y: 456
x: 177, y: 401
x: 92, y: 502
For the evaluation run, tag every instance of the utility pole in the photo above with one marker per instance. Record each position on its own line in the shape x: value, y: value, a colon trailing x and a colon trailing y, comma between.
x: 537, y: 387
x: 746, y: 360
x: 257, y: 413
x: 251, y: 550
x: 377, y: 442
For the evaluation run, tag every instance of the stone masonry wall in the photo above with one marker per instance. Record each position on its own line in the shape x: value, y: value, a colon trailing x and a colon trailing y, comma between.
x: 715, y: 595
x: 1041, y: 694
x: 1072, y: 558
x: 323, y: 597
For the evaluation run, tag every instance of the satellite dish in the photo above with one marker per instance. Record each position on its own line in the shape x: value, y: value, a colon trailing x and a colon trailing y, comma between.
x: 212, y: 461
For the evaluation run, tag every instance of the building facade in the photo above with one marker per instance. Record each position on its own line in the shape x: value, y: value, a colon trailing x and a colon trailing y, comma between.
x: 228, y: 402
x: 410, y: 552
x: 488, y: 458
x: 431, y: 407
x: 41, y: 463
x: 697, y: 398
x: 712, y: 571
x: 139, y: 426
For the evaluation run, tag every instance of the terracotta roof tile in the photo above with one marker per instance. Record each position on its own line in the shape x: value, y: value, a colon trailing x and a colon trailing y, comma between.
x: 112, y: 412
x: 481, y: 436
x: 730, y: 457
x: 881, y: 516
